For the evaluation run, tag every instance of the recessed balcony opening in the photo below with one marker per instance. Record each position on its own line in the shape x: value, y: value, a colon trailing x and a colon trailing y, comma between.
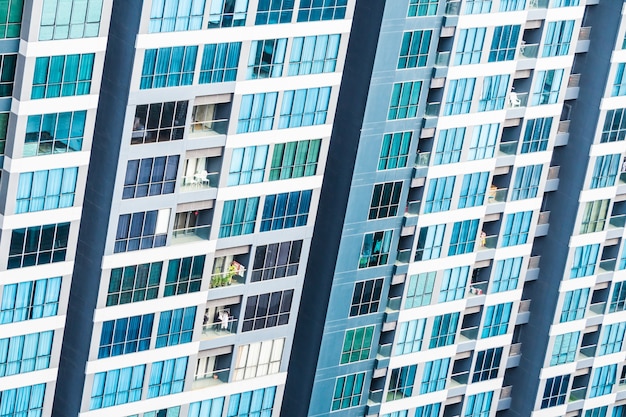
x: 470, y: 325
x: 608, y: 260
x: 509, y: 141
x: 213, y: 369
x: 579, y: 388
x: 589, y: 344
x: 488, y: 237
x: 210, y: 116
x: 479, y: 283
x: 221, y: 317
x: 229, y: 270
x: 532, y: 37
x: 453, y: 410
x: 191, y: 226
x: 498, y: 190
x: 598, y: 300
x: 201, y: 173
x: 460, y: 371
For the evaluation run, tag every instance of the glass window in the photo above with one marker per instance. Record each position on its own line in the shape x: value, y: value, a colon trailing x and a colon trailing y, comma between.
x: 118, y: 386
x: 558, y: 38
x: 422, y: 8
x: 271, y: 12
x: 565, y: 348
x: 464, y: 235
x: 63, y: 19
x: 7, y: 74
x: 385, y: 200
x: 612, y: 338
x: 366, y: 297
x: 619, y: 411
x: 496, y: 320
x: 259, y: 402
x: 176, y: 15
x: 459, y: 98
x: 594, y: 216
x: 555, y: 391
x: 477, y: 6
x: 314, y: 54
x: 605, y: 171
x: 512, y: 5
x: 258, y: 359
x: 487, y: 364
x: 536, y: 135
x: 439, y: 194
x: 54, y: 133
x: 62, y: 76
x: 410, y: 335
x: 27, y: 353
x: 11, y: 19
x: 517, y: 228
x: 597, y: 412
x: 134, y: 283
x: 126, y: 335
x: 286, y: 210
x: 38, y: 245
x: 619, y: 84
x: 219, y: 62
x: 404, y: 100
x: 430, y: 242
x: 4, y: 122
x: 247, y: 165
x: 547, y: 87
x: 394, y: 151
x: 305, y: 107
x: 479, y: 405
x: 420, y: 290
x: 444, y: 330
x: 469, y: 46
x: 375, y: 249
x: 507, y: 274
x: 435, y: 375
x: 449, y: 146
x: 564, y: 3
x: 24, y: 400
x: 167, y: 377
x: 142, y: 230
x: 504, y: 42
x: 584, y: 263
x: 159, y: 122
x: 574, y: 305
x: 276, y: 260
x: 168, y: 67
x: 348, y: 391
x: 414, y: 49
x: 150, y: 176
x: 314, y: 10
x: 184, y: 275
x: 267, y: 310
x: 211, y: 407
x: 603, y: 380
x: 401, y: 382
x: 430, y: 410
x: 46, y: 190
x: 495, y: 89
x: 618, y: 299
x: 357, y: 344
x: 30, y: 300
x: 483, y: 143
x: 238, y: 217
x: 453, y: 284
x: 257, y: 112
x: 228, y: 13
x: 526, y: 182
x: 614, y: 128
x: 295, y: 159
x: 403, y: 413
x: 473, y: 189
x: 175, y: 327
x: 266, y: 58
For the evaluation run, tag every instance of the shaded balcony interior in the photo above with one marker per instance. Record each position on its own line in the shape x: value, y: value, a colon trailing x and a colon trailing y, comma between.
x: 213, y: 367
x: 210, y: 115
x: 529, y: 46
x: 589, y: 344
x: 479, y: 283
x: 579, y: 387
x: 599, y: 299
x: 461, y: 369
x: 202, y: 169
x: 470, y: 324
x: 229, y: 269
x: 488, y: 236
x: 609, y: 257
x: 221, y: 317
x: 499, y: 188
x: 192, y: 226
x: 453, y: 410
x: 510, y: 139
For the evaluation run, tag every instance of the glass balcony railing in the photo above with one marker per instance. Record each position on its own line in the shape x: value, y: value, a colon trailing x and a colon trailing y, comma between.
x: 208, y: 128
x: 607, y: 265
x: 394, y: 304
x: 617, y: 221
x: 443, y: 59
x: 563, y: 126
x: 574, y: 81
x: 508, y: 148
x: 413, y: 208
x: 376, y: 396
x: 533, y: 262
x: 516, y: 349
x: 524, y: 306
x: 432, y: 109
x: 544, y: 217
x: 422, y: 159
x: 478, y: 288
x: 597, y: 308
x: 200, y: 181
x: 487, y: 242
x: 577, y: 394
x: 497, y: 195
x: 460, y: 378
x: 528, y: 51
x: 588, y: 351
x: 505, y: 392
x: 470, y: 333
x: 584, y: 34
x: 220, y: 328
x: 384, y: 351
x: 516, y: 99
x: 453, y: 8
x: 211, y: 378
x: 191, y: 234
x: 539, y: 4
x: 227, y: 278
x: 404, y: 256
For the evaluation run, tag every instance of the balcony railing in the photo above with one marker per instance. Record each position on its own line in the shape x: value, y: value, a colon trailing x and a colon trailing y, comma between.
x: 191, y: 234
x: 505, y: 392
x: 384, y: 351
x: 220, y: 328
x: 539, y: 4
x: 422, y: 159
x: 200, y: 181
x: 516, y: 349
x: 516, y: 99
x: 443, y: 59
x: 563, y: 126
x: 460, y: 378
x: 497, y: 195
x: 533, y: 262
x: 577, y: 394
x: 207, y: 128
x: 487, y: 242
x: 574, y: 80
x: 584, y: 33
x: 404, y: 256
x: 524, y: 306
x: 453, y: 8
x: 478, y: 288
x: 588, y: 351
x: 394, y: 304
x: 226, y: 278
x: 470, y: 333
x: 508, y: 148
x: 544, y: 217
x: 553, y: 172
x: 608, y: 265
x: 617, y: 221
x: 597, y: 308
x: 211, y: 378
x: 413, y: 208
x: 529, y: 51
x: 376, y: 396
x: 432, y: 109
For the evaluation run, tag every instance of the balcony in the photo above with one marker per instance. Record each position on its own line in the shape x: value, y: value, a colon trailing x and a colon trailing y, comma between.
x: 211, y: 379
x: 597, y: 309
x: 225, y: 326
x: 453, y: 8
x: 375, y: 397
x: 202, y: 180
x: 577, y: 394
x: 585, y: 33
x: 539, y: 4
x: 574, y: 81
x: 458, y: 379
x: 517, y: 100
x: 478, y: 288
x: 487, y: 242
x: 212, y: 118
x: 443, y: 59
x: 404, y: 257
x: 528, y: 51
x: 617, y: 221
x: 607, y: 265
x: 432, y: 109
x: 469, y: 333
x: 497, y: 195
x: 394, y: 304
x: 190, y: 234
x: 587, y: 351
x: 384, y: 351
x: 233, y: 276
x: 508, y: 148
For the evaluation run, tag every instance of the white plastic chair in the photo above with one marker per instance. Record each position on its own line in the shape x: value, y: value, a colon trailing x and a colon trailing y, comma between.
x: 514, y: 100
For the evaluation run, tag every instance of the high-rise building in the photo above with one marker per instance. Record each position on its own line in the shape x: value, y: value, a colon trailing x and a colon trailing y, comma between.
x: 315, y: 207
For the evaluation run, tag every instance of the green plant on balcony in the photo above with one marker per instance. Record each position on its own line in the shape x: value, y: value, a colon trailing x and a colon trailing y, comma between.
x: 224, y: 279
